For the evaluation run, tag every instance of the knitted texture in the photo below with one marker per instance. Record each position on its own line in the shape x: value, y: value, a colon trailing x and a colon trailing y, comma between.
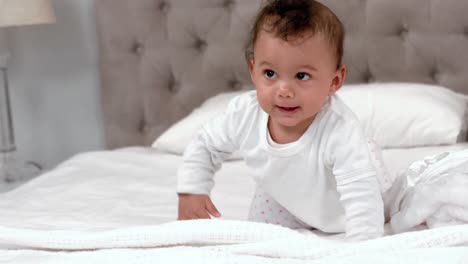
x: 223, y: 241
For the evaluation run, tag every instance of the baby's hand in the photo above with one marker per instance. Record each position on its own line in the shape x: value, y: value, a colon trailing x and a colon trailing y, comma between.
x: 196, y: 206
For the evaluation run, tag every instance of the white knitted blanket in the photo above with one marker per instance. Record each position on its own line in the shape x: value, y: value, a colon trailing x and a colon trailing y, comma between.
x: 222, y: 241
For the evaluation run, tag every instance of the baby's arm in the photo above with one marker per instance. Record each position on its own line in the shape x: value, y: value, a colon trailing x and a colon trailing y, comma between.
x: 363, y: 206
x: 213, y: 143
x: 202, y: 159
x: 356, y: 180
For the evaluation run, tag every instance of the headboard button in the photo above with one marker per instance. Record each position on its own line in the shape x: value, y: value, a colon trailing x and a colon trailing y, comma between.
x: 143, y: 127
x: 403, y: 31
x: 200, y: 44
x: 164, y: 7
x: 234, y: 85
x: 229, y: 4
x: 435, y: 74
x: 138, y: 48
x: 173, y: 85
x: 368, y: 77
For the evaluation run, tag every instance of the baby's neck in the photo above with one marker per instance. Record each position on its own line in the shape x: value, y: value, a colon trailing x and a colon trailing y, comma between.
x: 285, y: 134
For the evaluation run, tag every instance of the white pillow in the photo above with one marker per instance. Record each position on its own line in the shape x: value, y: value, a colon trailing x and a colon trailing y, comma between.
x: 394, y: 114
x: 399, y: 115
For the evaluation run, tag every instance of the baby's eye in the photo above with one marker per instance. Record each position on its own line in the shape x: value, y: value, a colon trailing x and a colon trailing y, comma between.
x: 303, y: 76
x: 269, y: 74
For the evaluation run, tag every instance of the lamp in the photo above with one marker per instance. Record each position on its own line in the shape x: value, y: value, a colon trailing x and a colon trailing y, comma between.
x: 16, y: 13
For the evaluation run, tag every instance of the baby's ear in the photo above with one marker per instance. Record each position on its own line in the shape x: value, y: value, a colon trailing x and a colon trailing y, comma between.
x: 251, y: 69
x: 338, y: 80
x: 251, y: 65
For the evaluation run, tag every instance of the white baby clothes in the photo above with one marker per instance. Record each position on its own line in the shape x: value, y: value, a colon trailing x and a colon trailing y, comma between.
x: 327, y: 179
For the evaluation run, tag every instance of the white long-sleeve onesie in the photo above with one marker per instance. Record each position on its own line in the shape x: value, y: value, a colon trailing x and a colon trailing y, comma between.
x: 328, y: 179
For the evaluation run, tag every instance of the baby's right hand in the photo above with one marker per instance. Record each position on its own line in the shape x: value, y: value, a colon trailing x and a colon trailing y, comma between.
x: 196, y: 206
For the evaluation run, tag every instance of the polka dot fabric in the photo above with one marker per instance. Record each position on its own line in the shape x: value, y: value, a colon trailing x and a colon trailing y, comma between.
x: 266, y: 210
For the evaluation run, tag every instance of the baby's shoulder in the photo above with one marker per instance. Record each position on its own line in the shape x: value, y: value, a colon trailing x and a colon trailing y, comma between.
x: 339, y: 110
x: 339, y: 119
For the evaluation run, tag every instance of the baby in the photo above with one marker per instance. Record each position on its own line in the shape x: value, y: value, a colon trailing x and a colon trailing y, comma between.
x: 313, y: 165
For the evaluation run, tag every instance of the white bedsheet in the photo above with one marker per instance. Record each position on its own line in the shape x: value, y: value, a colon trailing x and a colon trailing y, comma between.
x: 134, y: 188
x: 114, y: 189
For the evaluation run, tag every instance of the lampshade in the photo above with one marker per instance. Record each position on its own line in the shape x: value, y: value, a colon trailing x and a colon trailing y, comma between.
x: 25, y: 12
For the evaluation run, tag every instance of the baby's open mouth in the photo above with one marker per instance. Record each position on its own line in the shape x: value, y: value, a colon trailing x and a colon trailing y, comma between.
x: 288, y: 109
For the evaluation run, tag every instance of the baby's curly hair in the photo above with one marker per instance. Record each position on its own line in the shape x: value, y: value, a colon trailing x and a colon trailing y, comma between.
x: 288, y: 19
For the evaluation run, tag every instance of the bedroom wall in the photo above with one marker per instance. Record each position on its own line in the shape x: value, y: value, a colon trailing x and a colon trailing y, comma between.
x: 55, y: 86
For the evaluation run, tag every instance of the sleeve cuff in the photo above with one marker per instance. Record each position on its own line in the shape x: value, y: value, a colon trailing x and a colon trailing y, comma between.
x: 193, y: 189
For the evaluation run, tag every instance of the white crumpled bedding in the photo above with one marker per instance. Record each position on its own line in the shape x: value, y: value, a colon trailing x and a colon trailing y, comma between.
x: 119, y: 207
x: 433, y: 191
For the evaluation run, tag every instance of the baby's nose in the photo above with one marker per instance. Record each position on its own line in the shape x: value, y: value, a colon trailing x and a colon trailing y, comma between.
x: 286, y: 90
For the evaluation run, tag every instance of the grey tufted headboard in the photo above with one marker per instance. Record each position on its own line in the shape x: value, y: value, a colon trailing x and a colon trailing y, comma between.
x: 161, y: 58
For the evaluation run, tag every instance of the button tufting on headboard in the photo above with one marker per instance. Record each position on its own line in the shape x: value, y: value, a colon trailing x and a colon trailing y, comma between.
x: 200, y: 44
x: 164, y: 7
x: 368, y: 77
x: 403, y: 31
x: 234, y: 85
x: 435, y: 74
x: 138, y: 48
x: 143, y: 127
x: 173, y: 85
x: 229, y: 4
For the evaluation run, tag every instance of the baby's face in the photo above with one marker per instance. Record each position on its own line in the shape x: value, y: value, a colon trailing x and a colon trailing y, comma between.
x: 294, y: 78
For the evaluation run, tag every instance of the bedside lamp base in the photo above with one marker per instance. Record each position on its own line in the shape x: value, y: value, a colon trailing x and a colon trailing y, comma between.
x: 13, y: 169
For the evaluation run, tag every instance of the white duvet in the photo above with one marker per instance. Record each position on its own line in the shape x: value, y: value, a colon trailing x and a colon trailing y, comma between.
x: 119, y: 207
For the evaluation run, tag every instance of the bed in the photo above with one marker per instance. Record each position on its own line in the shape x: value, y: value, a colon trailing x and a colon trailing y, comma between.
x: 160, y: 61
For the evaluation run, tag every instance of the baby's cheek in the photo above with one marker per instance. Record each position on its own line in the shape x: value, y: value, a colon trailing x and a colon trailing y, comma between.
x: 313, y: 105
x: 265, y: 103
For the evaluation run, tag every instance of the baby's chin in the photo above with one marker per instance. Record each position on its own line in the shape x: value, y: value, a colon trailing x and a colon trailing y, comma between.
x: 289, y: 122
x: 297, y: 120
